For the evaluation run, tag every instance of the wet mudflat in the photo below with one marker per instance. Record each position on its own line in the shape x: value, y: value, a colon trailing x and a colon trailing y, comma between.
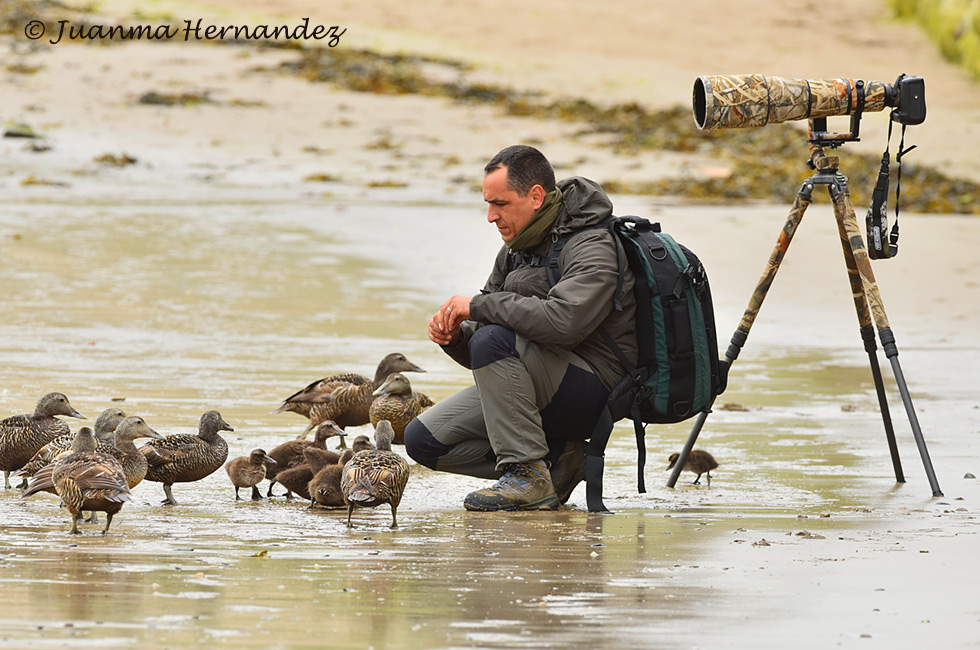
x: 227, y: 300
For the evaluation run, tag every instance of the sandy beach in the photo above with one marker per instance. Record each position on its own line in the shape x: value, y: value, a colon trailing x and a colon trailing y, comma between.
x: 270, y: 229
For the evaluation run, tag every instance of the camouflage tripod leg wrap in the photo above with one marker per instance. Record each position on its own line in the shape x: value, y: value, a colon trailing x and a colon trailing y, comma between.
x: 842, y: 209
x: 800, y: 205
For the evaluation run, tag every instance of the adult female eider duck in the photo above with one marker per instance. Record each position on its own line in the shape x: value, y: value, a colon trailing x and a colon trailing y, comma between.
x: 105, y: 426
x: 376, y: 476
x: 394, y: 401
x: 183, y: 458
x: 85, y: 480
x: 22, y: 435
x: 345, y: 398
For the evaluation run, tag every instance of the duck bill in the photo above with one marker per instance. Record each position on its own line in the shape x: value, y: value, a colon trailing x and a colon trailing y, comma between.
x: 76, y: 414
x: 153, y: 434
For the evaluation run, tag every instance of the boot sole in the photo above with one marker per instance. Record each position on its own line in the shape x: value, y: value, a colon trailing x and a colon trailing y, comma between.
x: 550, y: 503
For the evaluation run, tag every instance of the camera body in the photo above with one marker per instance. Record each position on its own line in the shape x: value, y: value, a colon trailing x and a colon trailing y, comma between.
x: 910, y: 100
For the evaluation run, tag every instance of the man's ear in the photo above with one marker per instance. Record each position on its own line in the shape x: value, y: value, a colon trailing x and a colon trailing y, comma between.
x: 537, y: 196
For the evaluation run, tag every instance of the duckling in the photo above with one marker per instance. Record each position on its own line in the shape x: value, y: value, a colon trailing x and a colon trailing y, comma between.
x: 249, y: 471
x: 85, y: 480
x: 377, y: 476
x: 698, y: 461
x: 324, y: 487
x: 21, y: 436
x: 297, y: 479
x: 290, y: 454
x: 394, y: 401
x: 345, y: 398
x: 183, y: 458
x: 105, y: 426
x: 361, y: 443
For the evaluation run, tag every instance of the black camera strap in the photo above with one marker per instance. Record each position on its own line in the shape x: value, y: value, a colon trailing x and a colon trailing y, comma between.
x: 877, y: 218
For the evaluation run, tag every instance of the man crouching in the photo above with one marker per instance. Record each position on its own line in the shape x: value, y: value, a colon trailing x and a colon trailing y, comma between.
x: 541, y: 367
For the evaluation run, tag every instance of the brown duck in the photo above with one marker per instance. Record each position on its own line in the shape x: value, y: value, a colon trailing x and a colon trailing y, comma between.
x: 345, y: 398
x: 324, y: 487
x: 183, y: 458
x: 121, y: 448
x: 698, y: 461
x: 290, y: 454
x: 297, y: 479
x: 105, y: 426
x: 85, y: 480
x: 376, y: 476
x: 394, y: 401
x: 249, y: 471
x: 22, y: 435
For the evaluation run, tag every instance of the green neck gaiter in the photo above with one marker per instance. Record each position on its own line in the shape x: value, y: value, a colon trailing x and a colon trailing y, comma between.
x: 540, y: 223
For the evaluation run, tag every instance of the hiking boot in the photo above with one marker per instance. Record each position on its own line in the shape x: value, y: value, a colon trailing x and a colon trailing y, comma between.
x: 524, y: 486
x: 569, y: 470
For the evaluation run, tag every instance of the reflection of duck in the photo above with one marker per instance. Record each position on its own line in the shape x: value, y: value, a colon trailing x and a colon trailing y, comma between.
x: 377, y: 476
x: 290, y: 454
x: 344, y: 398
x: 22, y: 435
x: 105, y: 426
x: 249, y: 471
x: 698, y: 461
x: 394, y: 401
x: 297, y: 479
x: 183, y: 458
x: 85, y: 480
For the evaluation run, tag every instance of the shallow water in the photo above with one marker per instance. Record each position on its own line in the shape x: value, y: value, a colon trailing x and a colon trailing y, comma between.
x: 237, y: 293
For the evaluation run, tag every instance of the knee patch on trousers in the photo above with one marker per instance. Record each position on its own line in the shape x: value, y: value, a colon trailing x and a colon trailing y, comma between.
x: 421, y: 446
x: 492, y: 343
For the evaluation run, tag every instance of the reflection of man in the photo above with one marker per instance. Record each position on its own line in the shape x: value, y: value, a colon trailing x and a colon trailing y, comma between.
x: 541, y: 367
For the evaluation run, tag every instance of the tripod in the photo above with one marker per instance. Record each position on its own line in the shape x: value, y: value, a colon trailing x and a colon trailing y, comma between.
x: 867, y: 300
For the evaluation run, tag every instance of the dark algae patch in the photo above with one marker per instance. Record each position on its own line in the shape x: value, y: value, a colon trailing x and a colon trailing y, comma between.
x: 756, y: 164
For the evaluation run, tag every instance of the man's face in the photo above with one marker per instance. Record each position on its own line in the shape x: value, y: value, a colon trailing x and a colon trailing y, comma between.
x: 507, y: 210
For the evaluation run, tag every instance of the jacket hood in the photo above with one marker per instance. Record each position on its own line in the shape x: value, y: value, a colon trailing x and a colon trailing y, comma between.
x: 585, y: 204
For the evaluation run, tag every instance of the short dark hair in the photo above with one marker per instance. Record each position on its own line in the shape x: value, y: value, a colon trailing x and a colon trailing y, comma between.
x: 526, y: 167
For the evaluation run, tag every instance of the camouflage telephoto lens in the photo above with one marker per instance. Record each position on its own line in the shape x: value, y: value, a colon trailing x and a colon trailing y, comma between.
x: 737, y: 101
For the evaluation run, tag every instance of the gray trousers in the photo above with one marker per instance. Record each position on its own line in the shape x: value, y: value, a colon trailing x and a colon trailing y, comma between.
x: 527, y: 400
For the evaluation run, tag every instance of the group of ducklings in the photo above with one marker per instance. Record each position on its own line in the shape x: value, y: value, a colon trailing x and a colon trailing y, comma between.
x: 96, y: 470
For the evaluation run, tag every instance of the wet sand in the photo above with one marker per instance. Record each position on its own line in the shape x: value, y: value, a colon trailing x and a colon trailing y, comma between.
x: 210, y: 274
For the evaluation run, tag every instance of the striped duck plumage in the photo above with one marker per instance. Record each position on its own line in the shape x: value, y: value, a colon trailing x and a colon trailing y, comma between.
x: 105, y: 426
x: 394, y: 401
x: 21, y: 436
x: 85, y: 479
x: 249, y: 471
x: 698, y: 461
x: 183, y: 458
x: 120, y: 447
x: 345, y: 398
x: 290, y: 454
x: 376, y: 476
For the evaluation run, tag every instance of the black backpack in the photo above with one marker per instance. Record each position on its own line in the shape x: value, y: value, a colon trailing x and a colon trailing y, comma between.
x: 678, y: 373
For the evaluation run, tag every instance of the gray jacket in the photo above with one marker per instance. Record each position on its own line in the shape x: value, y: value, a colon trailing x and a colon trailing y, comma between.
x: 568, y: 314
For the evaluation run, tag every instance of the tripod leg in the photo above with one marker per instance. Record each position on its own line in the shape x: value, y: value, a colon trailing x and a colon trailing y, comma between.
x: 848, y: 224
x: 800, y: 205
x: 867, y: 331
x: 796, y: 212
x: 688, y: 446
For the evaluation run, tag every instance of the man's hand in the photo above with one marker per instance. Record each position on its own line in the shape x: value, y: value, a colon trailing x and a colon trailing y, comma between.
x: 444, y: 324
